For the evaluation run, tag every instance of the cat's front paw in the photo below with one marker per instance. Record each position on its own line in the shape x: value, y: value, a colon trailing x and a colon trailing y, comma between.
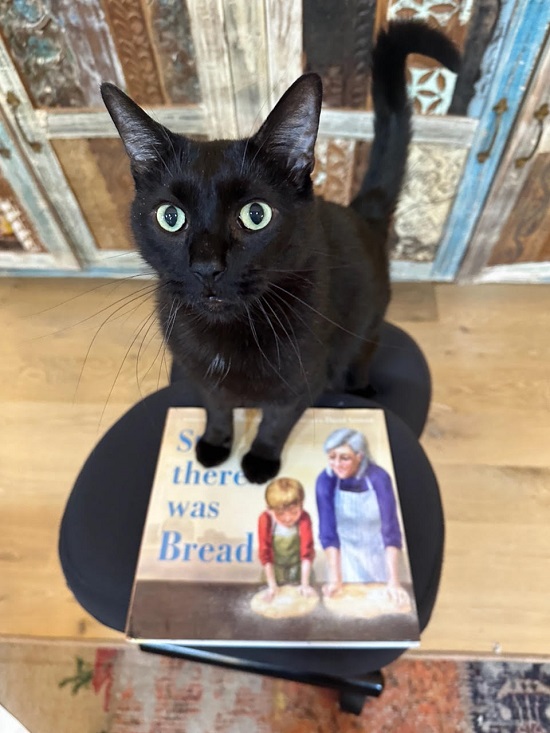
x: 211, y: 455
x: 258, y: 470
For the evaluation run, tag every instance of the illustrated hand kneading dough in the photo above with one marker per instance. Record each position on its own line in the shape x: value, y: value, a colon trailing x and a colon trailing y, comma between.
x: 365, y: 600
x: 287, y: 603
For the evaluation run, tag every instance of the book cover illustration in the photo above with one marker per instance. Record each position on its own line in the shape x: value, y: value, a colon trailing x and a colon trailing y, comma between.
x: 315, y: 557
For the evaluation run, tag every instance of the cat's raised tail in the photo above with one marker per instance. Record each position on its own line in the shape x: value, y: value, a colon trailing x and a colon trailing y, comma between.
x: 392, y: 126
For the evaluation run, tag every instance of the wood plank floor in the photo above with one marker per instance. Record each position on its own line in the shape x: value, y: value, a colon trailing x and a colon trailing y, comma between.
x: 62, y: 384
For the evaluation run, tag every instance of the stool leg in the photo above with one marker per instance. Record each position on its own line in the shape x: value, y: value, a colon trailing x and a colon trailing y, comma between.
x: 353, y: 693
x: 351, y: 701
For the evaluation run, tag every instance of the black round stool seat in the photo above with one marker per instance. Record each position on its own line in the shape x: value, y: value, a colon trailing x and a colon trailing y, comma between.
x: 103, y: 522
x: 399, y: 377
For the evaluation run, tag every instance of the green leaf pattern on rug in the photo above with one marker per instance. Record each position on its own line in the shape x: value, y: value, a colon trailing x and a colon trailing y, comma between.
x: 82, y: 678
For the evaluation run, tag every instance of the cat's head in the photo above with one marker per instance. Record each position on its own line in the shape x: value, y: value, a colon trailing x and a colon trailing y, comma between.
x: 220, y: 221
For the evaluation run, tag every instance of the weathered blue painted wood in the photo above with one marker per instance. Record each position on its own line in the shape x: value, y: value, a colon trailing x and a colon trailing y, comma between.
x: 526, y: 33
x: 14, y: 170
x: 490, y: 59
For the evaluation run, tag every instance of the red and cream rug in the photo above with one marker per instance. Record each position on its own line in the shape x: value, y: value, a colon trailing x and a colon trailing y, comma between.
x: 81, y: 688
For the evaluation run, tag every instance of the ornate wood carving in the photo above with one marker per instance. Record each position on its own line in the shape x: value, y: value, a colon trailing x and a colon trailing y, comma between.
x: 480, y: 32
x: 333, y: 173
x: 431, y: 85
x: 431, y: 89
x: 173, y: 43
x: 525, y: 236
x: 42, y: 53
x: 433, y: 172
x: 337, y: 45
x: 86, y: 29
x: 62, y: 49
x: 16, y: 232
x: 135, y: 50
x: 441, y: 12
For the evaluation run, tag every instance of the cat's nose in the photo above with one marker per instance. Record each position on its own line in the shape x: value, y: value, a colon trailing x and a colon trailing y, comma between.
x: 207, y: 272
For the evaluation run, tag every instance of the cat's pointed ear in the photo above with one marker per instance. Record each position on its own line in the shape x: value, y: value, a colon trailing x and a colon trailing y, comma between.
x: 290, y: 131
x: 143, y: 138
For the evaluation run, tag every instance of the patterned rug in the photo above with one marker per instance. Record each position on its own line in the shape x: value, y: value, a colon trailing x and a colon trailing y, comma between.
x: 77, y: 688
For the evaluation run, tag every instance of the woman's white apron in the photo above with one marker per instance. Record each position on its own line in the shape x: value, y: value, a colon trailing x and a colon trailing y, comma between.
x: 362, y: 553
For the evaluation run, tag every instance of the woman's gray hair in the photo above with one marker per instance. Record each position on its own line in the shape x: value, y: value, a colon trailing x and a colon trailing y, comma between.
x: 355, y: 440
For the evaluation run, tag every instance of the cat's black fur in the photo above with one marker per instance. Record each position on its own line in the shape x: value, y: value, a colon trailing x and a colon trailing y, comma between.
x: 273, y: 317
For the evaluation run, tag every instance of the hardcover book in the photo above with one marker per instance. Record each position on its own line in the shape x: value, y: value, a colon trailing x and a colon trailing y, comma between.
x: 316, y: 557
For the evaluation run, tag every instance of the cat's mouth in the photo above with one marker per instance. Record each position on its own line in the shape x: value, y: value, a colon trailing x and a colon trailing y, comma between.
x: 215, y: 304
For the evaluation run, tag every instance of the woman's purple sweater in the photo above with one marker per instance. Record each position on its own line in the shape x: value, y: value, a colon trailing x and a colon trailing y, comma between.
x: 325, y: 489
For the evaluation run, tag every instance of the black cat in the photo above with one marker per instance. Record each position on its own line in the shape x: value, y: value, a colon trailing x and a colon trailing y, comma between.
x: 269, y: 295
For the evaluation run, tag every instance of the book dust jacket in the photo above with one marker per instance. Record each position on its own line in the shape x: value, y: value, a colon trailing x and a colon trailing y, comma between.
x: 316, y: 557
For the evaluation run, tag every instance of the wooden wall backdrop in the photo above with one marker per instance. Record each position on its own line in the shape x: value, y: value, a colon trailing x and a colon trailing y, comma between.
x: 215, y: 68
x: 30, y: 232
x: 99, y: 174
x: 512, y: 238
x: 526, y: 233
x: 338, y: 41
x: 61, y: 55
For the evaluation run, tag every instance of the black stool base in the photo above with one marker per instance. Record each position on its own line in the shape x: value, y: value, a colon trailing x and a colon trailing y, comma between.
x: 352, y: 692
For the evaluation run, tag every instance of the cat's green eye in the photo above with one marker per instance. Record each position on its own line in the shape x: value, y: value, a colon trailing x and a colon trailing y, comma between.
x: 170, y: 217
x: 255, y: 215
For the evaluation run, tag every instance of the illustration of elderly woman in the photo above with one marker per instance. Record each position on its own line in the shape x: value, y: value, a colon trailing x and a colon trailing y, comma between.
x: 358, y: 523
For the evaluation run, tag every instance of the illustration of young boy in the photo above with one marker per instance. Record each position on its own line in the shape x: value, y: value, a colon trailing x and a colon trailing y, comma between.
x: 286, y: 538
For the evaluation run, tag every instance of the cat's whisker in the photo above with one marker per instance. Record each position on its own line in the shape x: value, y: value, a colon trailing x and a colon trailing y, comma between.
x: 163, y: 361
x: 277, y: 339
x: 293, y: 343
x: 262, y: 352
x: 128, y: 350
x: 81, y: 295
x: 133, y: 296
x: 110, y: 318
x: 174, y: 307
x: 343, y: 266
x: 144, y: 347
x: 322, y: 315
x: 295, y: 313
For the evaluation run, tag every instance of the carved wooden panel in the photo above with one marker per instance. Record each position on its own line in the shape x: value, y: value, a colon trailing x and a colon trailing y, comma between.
x: 333, y: 174
x: 526, y: 235
x: 431, y: 181
x: 337, y: 45
x: 98, y: 172
x: 481, y: 31
x: 128, y: 23
x: 430, y: 185
x: 62, y: 49
x: 338, y: 38
x: 16, y: 232
x: 431, y: 86
x: 173, y: 44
